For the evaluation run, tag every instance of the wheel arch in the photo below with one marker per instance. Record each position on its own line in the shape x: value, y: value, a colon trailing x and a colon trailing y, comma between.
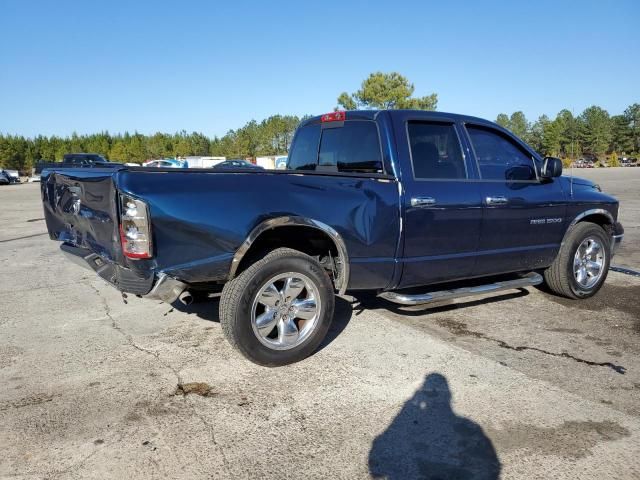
x: 599, y: 216
x: 272, y: 227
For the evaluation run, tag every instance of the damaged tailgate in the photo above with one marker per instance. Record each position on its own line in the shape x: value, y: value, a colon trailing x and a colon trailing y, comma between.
x: 81, y: 211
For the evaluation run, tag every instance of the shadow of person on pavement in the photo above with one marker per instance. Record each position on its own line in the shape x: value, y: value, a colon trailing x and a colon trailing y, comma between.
x: 427, y: 440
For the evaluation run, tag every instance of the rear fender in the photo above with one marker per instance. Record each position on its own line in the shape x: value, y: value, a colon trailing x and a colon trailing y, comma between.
x: 342, y: 262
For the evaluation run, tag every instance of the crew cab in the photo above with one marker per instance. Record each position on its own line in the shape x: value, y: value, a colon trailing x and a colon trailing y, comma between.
x: 398, y: 202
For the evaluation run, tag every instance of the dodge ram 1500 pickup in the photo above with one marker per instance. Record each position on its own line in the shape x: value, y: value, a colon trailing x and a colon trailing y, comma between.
x: 390, y: 201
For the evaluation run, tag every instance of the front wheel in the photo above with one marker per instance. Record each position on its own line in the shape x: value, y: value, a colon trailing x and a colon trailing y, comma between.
x: 279, y: 309
x: 582, y: 264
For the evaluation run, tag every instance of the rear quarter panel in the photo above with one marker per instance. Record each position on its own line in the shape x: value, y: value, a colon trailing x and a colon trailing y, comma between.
x: 200, y: 219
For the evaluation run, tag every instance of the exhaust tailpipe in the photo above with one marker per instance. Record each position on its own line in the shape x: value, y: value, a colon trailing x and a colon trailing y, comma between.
x: 186, y: 298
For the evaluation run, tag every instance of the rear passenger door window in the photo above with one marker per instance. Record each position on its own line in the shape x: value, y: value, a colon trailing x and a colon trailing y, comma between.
x: 500, y: 158
x: 435, y: 151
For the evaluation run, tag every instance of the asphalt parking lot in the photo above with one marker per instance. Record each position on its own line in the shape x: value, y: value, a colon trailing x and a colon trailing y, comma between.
x: 515, y: 385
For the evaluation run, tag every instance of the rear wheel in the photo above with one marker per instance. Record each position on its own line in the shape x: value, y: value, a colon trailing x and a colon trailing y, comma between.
x: 582, y: 264
x: 279, y: 309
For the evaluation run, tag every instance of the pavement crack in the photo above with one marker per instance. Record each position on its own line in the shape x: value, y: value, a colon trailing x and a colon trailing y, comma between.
x: 154, y: 353
x: 461, y: 329
x: 616, y: 368
x: 23, y: 237
x: 625, y: 270
x: 209, y: 426
x: 75, y: 466
x: 43, y: 287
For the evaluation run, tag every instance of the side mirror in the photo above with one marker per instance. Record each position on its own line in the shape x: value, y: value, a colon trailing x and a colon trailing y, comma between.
x: 551, y: 167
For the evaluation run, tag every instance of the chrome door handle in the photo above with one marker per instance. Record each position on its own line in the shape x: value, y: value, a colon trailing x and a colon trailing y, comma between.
x: 420, y: 202
x: 498, y: 200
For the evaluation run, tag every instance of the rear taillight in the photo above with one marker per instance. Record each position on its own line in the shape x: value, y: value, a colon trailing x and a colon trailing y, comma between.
x: 135, y: 229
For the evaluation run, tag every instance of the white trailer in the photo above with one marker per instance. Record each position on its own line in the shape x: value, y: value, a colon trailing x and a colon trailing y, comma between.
x: 272, y: 162
x: 266, y: 162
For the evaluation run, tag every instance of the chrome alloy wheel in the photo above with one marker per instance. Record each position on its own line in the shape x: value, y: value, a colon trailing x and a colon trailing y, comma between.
x: 588, y: 262
x: 285, y: 311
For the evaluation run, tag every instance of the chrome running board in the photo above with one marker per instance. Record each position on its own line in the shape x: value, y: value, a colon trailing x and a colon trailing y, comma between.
x: 527, y: 280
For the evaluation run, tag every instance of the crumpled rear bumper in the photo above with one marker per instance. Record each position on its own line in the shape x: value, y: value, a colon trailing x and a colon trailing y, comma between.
x: 159, y: 286
x: 166, y: 288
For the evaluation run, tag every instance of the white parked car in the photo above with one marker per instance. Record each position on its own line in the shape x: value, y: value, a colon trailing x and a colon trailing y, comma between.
x: 165, y: 163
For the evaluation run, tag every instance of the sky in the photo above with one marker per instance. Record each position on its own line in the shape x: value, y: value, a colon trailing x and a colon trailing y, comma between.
x: 210, y: 66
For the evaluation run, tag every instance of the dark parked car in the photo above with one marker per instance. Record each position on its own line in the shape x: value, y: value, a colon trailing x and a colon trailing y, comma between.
x: 4, y: 178
x: 12, y: 176
x: 236, y: 164
x: 83, y: 160
x: 372, y: 200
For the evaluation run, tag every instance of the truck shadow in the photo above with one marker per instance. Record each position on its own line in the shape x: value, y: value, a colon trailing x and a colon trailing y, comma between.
x: 208, y: 309
x: 428, y: 440
x: 369, y: 301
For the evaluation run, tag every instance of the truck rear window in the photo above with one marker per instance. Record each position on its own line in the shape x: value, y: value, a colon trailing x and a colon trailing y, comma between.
x: 352, y: 147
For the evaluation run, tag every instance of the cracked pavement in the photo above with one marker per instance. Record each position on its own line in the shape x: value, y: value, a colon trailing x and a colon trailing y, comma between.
x: 517, y: 385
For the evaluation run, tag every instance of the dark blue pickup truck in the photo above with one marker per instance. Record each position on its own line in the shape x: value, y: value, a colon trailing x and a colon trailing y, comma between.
x: 398, y: 202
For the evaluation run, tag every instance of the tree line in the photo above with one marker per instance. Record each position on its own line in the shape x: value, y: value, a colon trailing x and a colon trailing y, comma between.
x: 593, y: 132
x: 271, y: 136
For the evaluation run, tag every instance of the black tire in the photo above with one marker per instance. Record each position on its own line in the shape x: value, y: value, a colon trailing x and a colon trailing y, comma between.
x: 238, y: 298
x: 560, y: 277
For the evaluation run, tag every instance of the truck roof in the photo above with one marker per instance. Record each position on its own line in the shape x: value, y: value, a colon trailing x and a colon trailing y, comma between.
x: 426, y: 114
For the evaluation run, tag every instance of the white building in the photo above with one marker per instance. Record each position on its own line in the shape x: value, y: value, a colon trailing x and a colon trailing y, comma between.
x: 204, y: 162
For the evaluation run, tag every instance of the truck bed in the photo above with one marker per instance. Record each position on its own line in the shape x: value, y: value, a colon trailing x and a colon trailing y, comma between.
x: 201, y: 217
